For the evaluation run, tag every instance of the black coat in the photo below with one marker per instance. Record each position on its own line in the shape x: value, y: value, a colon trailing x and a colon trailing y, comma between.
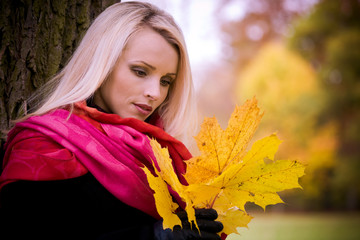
x: 78, y: 208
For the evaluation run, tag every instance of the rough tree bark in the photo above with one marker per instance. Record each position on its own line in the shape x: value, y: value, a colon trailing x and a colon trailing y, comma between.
x: 37, y: 37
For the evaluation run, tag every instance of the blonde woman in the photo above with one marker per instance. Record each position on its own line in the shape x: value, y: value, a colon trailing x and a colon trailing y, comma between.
x: 74, y: 163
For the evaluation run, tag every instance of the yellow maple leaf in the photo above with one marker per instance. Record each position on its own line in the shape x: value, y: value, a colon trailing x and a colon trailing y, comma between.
x: 253, y: 180
x: 167, y: 176
x: 232, y: 219
x: 226, y: 176
x: 220, y: 148
x: 163, y: 200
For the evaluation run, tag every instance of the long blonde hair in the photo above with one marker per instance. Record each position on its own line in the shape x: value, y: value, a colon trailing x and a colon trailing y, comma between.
x: 98, y: 52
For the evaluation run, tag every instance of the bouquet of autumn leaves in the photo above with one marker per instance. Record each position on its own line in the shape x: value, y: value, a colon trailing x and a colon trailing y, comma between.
x: 226, y: 175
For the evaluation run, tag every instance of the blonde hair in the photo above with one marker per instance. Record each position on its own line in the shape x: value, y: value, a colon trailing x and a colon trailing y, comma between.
x: 98, y: 52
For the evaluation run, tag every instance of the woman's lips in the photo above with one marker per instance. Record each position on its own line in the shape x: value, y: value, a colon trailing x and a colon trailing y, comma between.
x: 143, y: 108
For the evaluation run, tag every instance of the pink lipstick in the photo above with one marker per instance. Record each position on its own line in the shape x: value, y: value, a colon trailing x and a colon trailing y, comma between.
x: 144, y: 108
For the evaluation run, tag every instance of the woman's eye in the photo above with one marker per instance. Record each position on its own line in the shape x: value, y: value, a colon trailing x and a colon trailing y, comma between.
x: 165, y: 82
x: 139, y: 72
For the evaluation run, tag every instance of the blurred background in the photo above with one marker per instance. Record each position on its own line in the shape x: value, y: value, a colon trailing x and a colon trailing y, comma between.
x: 301, y: 59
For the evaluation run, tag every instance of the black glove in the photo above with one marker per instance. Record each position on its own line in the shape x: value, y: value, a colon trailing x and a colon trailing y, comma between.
x: 206, y: 221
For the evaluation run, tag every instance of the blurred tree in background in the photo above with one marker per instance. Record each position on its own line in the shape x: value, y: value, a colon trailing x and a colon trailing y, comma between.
x: 242, y: 38
x: 264, y: 21
x: 302, y: 61
x: 329, y: 38
x: 289, y: 92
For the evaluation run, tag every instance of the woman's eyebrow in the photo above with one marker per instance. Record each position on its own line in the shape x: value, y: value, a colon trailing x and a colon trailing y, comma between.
x: 147, y: 64
x: 152, y: 67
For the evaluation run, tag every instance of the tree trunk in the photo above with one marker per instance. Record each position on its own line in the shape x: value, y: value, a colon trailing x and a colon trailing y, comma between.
x: 37, y: 37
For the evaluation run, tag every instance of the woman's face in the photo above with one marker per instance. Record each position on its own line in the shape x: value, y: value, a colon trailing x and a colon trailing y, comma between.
x: 141, y: 78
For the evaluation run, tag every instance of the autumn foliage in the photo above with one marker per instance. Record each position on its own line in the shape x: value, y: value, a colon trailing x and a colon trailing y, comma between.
x: 226, y: 175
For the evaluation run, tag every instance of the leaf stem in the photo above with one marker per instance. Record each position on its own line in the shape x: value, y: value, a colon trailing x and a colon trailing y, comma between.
x: 213, y: 201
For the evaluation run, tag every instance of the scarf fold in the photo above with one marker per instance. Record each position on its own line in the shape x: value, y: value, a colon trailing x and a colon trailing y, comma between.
x: 113, y: 149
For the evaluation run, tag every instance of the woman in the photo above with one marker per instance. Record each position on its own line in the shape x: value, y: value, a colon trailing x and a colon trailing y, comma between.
x: 73, y: 167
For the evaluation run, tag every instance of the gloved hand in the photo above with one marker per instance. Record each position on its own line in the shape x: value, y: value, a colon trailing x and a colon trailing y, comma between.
x: 206, y: 221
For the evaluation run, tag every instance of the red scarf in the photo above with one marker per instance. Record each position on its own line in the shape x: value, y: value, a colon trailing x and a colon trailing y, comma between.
x: 113, y: 149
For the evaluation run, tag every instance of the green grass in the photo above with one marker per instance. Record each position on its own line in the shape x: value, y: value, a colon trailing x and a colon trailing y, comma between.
x: 302, y: 226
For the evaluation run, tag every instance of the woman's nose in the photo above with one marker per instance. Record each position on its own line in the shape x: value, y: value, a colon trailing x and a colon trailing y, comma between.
x: 152, y: 90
